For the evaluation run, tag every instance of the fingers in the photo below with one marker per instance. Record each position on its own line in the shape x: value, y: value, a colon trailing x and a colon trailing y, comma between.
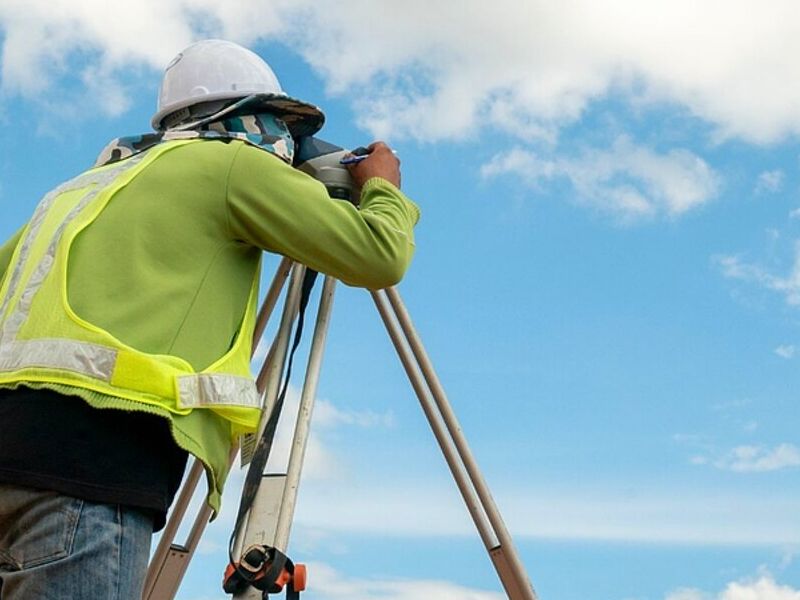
x: 380, y: 162
x: 378, y: 145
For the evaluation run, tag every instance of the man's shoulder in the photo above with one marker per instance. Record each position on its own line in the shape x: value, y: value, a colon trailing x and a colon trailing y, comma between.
x: 211, y: 158
x: 208, y: 147
x: 224, y: 151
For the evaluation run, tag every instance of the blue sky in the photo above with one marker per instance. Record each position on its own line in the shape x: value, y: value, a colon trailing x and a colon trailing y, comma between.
x: 607, y: 276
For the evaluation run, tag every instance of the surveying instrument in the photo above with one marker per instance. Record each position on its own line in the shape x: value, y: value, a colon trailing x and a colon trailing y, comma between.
x: 258, y: 563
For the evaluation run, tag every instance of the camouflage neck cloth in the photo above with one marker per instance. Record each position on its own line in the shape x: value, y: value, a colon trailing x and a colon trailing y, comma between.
x: 263, y: 130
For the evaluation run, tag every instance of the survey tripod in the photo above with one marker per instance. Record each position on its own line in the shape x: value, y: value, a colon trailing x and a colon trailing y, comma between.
x: 262, y: 540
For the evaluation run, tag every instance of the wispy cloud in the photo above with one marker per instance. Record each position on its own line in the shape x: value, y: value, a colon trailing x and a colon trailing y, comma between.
x: 770, y: 181
x: 321, y: 461
x: 743, y: 458
x: 785, y: 351
x: 260, y: 354
x: 758, y: 459
x: 330, y: 584
x: 629, y: 180
x: 764, y: 587
x: 687, y: 594
x: 358, y: 504
x: 434, y: 509
x: 732, y: 405
x: 733, y: 267
x: 327, y: 415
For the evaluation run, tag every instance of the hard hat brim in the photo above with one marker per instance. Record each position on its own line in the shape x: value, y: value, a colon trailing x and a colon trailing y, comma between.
x: 302, y: 118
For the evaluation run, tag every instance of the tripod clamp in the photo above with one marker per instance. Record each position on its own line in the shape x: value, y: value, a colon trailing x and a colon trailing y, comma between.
x: 267, y: 569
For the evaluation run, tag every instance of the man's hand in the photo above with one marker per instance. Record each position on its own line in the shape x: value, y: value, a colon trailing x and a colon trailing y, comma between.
x: 381, y: 162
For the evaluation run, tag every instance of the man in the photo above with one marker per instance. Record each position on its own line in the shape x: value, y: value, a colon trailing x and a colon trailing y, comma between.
x: 126, y: 313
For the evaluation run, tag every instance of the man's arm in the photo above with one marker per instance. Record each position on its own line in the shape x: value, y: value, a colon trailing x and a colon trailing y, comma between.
x: 6, y: 250
x: 278, y: 208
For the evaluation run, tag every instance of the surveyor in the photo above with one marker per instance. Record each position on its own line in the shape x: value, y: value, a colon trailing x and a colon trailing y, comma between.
x: 127, y: 309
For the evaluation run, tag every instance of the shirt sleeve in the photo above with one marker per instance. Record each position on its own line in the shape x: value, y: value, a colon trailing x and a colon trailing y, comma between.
x: 7, y: 250
x: 277, y: 208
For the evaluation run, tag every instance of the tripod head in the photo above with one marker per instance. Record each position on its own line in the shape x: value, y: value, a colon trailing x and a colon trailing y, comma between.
x: 322, y: 160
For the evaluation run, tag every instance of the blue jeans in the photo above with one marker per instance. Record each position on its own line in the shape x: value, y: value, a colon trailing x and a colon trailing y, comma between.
x: 54, y: 547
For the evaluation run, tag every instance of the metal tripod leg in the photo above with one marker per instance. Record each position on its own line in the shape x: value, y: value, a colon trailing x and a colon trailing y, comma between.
x: 170, y: 560
x: 270, y: 377
x: 454, y: 446
x: 303, y: 426
x: 270, y: 517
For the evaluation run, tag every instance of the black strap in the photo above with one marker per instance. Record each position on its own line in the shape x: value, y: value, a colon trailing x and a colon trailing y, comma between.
x: 266, y: 566
x: 279, y: 561
x: 264, y: 444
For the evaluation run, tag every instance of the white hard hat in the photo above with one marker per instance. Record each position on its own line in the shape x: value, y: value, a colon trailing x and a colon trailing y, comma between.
x: 215, y: 71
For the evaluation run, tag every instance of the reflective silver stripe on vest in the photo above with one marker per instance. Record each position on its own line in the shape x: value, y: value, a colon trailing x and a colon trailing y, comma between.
x: 211, y: 389
x: 98, y: 362
x: 99, y: 180
x: 91, y: 360
x: 33, y: 229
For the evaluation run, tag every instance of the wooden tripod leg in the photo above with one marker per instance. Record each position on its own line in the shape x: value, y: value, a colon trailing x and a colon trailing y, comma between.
x: 453, y: 444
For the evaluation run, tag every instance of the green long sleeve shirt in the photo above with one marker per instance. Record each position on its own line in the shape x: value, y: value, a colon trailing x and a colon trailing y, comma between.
x: 167, y: 267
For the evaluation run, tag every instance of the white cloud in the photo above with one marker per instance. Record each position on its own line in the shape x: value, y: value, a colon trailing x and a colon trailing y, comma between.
x: 321, y: 462
x: 744, y: 458
x: 88, y: 42
x: 327, y: 415
x: 49, y: 44
x: 330, y: 584
x: 770, y: 181
x: 763, y: 588
x: 260, y: 354
x: 789, y: 285
x: 543, y: 66
x: 433, y: 508
x: 425, y: 70
x: 687, y: 594
x: 547, y: 62
x: 732, y: 405
x: 628, y: 180
x: 785, y: 350
x: 688, y: 438
x: 760, y: 459
x: 787, y: 558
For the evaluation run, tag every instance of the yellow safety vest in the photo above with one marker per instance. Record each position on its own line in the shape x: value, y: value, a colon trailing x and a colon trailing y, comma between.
x: 43, y: 341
